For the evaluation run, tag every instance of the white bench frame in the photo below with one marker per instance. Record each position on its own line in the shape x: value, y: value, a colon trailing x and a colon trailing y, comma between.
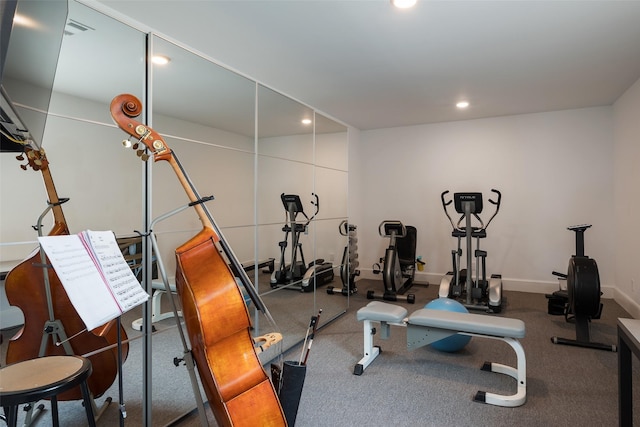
x: 426, y: 326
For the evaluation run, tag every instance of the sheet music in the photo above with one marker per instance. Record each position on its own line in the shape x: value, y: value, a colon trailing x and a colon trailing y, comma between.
x: 116, y: 272
x: 93, y: 276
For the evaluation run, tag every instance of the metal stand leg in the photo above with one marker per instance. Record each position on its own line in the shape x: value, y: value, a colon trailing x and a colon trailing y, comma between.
x: 186, y: 356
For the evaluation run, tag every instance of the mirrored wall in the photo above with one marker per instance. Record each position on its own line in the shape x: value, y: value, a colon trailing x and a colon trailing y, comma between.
x: 237, y: 140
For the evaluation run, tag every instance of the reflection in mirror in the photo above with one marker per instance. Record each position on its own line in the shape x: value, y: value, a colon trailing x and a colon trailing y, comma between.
x: 331, y: 179
x: 202, y: 102
x: 27, y: 80
x: 285, y: 127
x: 331, y: 146
x: 82, y: 89
x: 84, y: 160
x: 281, y: 290
x: 285, y: 166
x: 206, y: 114
x: 100, y: 58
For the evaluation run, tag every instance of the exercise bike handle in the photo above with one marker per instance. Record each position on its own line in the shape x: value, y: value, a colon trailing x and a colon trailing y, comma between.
x: 345, y: 227
x: 382, y: 228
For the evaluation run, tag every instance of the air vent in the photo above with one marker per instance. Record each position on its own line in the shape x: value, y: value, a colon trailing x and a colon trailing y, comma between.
x: 75, y: 27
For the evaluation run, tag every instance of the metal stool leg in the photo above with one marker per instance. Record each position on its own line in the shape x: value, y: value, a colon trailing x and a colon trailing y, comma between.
x: 54, y: 411
x: 88, y: 407
x: 11, y: 412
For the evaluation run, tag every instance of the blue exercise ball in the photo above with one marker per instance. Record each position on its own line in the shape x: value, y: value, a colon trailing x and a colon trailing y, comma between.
x: 455, y: 342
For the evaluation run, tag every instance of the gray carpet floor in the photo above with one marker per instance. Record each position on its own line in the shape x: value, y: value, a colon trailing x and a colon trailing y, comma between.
x: 565, y: 385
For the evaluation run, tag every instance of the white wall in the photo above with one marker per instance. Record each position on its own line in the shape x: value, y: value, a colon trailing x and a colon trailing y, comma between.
x: 103, y: 181
x: 554, y: 170
x: 626, y: 126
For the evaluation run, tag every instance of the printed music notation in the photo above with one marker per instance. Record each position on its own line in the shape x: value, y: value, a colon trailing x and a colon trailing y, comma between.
x: 95, y: 275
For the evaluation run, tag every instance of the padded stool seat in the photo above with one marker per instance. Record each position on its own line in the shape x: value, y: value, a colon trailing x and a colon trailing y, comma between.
x: 42, y: 378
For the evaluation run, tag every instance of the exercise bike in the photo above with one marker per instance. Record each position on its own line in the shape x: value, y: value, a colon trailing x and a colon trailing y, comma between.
x: 399, y: 262
x: 459, y: 284
x: 580, y: 302
x: 349, y: 265
x: 298, y: 275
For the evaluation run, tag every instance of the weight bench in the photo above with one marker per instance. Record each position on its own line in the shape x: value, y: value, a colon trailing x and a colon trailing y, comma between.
x: 426, y: 326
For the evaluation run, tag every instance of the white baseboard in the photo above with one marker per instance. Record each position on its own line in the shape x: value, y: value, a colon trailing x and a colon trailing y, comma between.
x: 521, y: 285
x: 628, y: 304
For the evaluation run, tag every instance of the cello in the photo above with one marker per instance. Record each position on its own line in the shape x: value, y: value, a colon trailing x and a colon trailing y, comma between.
x: 25, y: 287
x: 216, y: 317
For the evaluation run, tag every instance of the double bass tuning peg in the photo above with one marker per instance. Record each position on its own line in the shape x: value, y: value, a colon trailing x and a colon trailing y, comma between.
x: 143, y: 156
x: 128, y: 144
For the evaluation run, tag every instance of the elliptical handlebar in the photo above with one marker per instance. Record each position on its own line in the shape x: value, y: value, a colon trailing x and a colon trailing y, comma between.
x: 293, y: 206
x: 482, y: 227
x: 315, y: 203
x: 444, y: 206
x: 496, y: 204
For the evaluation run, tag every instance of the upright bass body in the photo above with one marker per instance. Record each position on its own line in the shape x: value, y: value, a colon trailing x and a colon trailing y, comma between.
x: 24, y: 286
x: 25, y: 289
x: 216, y: 317
x: 217, y: 320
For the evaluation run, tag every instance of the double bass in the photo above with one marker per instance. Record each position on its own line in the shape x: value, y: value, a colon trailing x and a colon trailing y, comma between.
x: 25, y: 288
x: 215, y: 314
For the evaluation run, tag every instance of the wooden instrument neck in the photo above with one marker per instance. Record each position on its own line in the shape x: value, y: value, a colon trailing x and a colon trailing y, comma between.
x: 191, y: 194
x: 58, y: 215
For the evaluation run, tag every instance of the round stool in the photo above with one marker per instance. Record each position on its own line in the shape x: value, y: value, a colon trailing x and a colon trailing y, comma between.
x: 42, y: 378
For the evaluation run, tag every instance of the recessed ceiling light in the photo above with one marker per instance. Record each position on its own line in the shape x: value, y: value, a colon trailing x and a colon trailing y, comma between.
x: 24, y: 21
x: 403, y: 4
x: 306, y: 121
x: 160, y: 59
x: 462, y: 104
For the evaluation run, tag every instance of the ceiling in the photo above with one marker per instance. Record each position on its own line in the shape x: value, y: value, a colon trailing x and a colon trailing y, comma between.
x: 372, y: 66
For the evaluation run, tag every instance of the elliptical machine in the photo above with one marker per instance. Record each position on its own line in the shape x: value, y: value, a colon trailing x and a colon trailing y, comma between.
x: 349, y: 265
x: 478, y: 294
x: 297, y: 275
x: 580, y: 302
x: 399, y: 262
